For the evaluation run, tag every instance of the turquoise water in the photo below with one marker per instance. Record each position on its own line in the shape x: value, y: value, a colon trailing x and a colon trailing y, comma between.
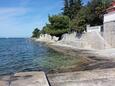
x: 21, y: 54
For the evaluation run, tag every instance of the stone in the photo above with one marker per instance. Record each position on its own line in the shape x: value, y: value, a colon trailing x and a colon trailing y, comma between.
x: 4, y: 80
x: 29, y: 79
x: 55, y: 38
x: 104, y: 77
x: 4, y: 83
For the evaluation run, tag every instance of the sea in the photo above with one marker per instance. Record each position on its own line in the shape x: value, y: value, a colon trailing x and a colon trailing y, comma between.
x: 24, y: 54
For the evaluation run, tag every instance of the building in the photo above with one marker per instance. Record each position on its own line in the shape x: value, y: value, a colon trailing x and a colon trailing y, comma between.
x: 110, y: 16
x: 111, y: 7
x: 105, y: 34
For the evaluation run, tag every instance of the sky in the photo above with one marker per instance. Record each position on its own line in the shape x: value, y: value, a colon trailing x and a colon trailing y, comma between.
x: 18, y: 18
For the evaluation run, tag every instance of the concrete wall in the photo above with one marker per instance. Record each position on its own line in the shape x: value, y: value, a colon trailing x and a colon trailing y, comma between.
x: 87, y: 40
x: 109, y: 33
x: 109, y: 17
x: 93, y: 28
x: 75, y: 41
x: 94, y: 37
x: 96, y: 40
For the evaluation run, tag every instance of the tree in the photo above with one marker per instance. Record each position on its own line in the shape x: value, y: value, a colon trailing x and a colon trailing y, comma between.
x: 78, y: 24
x: 74, y: 17
x: 58, y: 25
x: 36, y: 33
x: 66, y: 8
x: 71, y: 8
x: 95, y: 11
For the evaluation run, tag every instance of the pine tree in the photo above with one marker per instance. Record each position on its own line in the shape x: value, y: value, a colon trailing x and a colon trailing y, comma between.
x: 77, y: 7
x: 36, y: 33
x: 66, y: 8
x: 71, y: 8
x: 97, y: 9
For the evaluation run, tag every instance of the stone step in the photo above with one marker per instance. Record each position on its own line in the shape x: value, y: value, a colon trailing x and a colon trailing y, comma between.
x: 25, y: 79
x: 4, y: 83
x: 95, y: 82
x: 105, y: 77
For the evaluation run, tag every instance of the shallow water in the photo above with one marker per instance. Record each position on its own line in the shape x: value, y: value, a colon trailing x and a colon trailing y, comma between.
x: 22, y: 54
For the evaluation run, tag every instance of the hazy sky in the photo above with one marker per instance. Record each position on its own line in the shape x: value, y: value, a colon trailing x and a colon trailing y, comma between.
x: 18, y: 18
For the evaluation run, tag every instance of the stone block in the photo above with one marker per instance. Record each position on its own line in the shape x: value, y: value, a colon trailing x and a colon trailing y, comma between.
x: 29, y: 79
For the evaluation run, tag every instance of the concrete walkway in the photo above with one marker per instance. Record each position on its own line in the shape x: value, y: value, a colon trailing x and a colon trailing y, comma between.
x: 105, y: 77
x: 25, y: 79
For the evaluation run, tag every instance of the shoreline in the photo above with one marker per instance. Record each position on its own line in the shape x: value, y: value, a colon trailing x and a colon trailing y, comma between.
x: 97, y: 70
x: 107, y: 54
x: 98, y: 59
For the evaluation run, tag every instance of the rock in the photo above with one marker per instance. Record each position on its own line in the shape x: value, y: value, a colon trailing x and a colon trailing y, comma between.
x: 47, y: 38
x: 55, y: 38
x: 4, y: 80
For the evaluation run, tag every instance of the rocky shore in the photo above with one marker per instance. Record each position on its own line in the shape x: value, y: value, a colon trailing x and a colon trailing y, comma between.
x: 84, y: 43
x: 96, y: 59
x: 97, y: 69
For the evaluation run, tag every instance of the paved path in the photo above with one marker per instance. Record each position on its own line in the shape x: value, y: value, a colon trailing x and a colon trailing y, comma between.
x: 25, y: 79
x: 105, y: 77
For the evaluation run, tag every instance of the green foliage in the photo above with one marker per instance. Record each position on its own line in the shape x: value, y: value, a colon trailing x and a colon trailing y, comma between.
x: 95, y: 11
x: 72, y: 7
x: 58, y: 25
x: 80, y: 15
x: 66, y: 7
x: 75, y: 17
x: 78, y: 24
x: 36, y: 33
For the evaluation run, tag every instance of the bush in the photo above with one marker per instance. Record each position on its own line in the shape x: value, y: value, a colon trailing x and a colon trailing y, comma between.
x: 58, y: 25
x: 36, y: 33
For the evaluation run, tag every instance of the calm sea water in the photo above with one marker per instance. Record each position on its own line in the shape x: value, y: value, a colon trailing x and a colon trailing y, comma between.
x: 21, y: 54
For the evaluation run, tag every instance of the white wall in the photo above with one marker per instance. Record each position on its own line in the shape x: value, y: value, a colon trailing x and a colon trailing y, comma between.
x: 93, y: 28
x: 109, y: 17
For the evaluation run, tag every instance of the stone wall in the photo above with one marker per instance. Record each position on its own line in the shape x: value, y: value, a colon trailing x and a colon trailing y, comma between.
x: 86, y: 40
x: 94, y: 38
x: 75, y: 41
